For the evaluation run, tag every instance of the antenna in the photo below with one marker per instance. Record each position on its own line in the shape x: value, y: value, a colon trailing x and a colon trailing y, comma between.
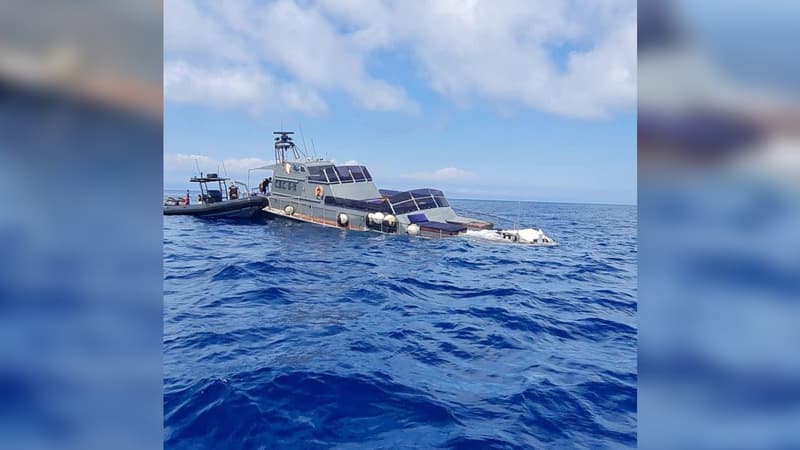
x: 224, y: 168
x: 300, y: 126
x: 196, y: 163
x: 314, y: 147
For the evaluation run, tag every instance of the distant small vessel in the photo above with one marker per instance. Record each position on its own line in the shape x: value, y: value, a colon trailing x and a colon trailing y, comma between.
x: 319, y: 192
x: 224, y: 202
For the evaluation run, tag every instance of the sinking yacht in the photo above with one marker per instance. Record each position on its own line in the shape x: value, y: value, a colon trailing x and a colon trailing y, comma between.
x: 318, y: 191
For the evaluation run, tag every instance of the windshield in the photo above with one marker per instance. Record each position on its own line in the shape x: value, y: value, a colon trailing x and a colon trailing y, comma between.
x: 417, y: 200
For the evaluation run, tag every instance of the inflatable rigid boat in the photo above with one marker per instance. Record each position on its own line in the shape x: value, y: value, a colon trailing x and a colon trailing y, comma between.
x: 223, y: 202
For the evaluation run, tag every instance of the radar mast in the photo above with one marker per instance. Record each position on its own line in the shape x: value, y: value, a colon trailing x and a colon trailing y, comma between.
x: 283, y: 142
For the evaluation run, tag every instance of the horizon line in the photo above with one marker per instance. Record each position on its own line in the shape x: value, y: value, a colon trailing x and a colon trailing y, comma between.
x: 583, y: 202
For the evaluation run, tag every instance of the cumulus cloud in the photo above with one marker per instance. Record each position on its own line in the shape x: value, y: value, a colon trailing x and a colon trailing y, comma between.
x: 443, y: 174
x: 237, y: 47
x: 191, y: 31
x: 179, y: 167
x: 319, y: 55
x: 574, y: 58
x: 235, y: 88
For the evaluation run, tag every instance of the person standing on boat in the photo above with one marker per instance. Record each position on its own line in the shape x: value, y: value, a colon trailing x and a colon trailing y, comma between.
x: 264, y: 185
x: 233, y: 192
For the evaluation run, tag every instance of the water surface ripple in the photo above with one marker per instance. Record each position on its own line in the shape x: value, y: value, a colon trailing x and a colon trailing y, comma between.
x: 286, y: 335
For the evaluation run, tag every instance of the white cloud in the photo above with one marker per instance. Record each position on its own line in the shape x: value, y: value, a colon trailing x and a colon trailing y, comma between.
x: 444, y: 174
x: 235, y: 88
x: 189, y: 30
x: 508, y: 52
x: 240, y: 45
x: 179, y: 167
x: 321, y: 56
x: 573, y: 58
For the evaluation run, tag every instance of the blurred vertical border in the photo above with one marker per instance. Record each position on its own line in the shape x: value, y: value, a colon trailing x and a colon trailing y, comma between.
x: 80, y: 235
x: 719, y: 224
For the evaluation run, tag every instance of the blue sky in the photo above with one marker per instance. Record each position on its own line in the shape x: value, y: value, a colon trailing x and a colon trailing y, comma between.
x: 497, y: 100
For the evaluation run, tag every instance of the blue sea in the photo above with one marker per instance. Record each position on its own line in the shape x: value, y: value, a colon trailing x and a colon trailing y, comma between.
x: 280, y: 334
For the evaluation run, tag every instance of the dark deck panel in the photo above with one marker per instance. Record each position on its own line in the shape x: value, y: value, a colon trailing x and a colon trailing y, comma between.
x: 451, y: 228
x: 417, y: 218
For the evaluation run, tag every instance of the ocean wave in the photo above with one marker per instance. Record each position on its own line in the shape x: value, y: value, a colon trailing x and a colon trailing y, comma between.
x: 286, y: 335
x: 300, y: 406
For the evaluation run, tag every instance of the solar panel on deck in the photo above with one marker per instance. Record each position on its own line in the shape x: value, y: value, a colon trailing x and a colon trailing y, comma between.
x: 417, y: 218
x: 441, y: 226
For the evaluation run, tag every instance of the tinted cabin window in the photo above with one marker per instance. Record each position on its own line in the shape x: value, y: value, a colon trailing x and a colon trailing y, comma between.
x: 355, y: 171
x: 366, y: 173
x: 331, y: 174
x: 425, y: 202
x: 401, y: 197
x: 344, y: 174
x: 404, y: 207
x: 418, y: 199
x: 315, y: 174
